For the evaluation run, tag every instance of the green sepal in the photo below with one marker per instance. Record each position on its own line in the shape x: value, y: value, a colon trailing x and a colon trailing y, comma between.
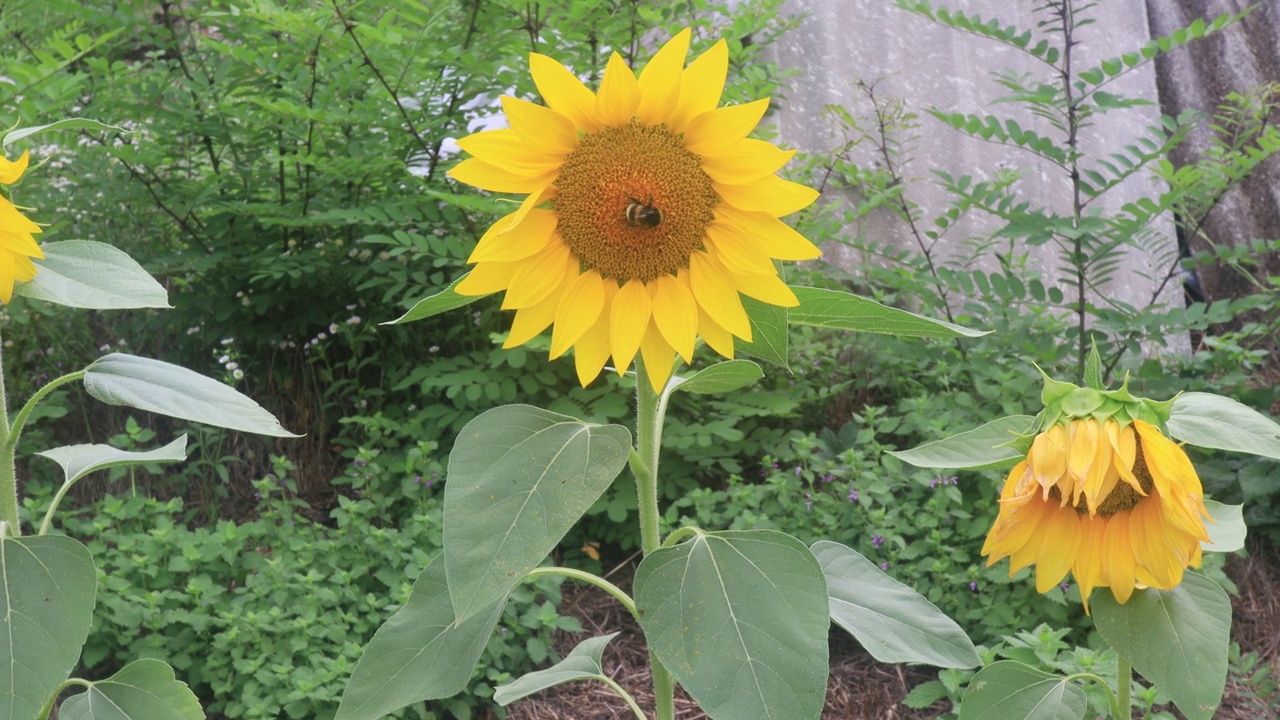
x: 1081, y: 402
x: 1054, y: 390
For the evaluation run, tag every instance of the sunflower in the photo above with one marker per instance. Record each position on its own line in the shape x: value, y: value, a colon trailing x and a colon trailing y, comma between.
x: 1116, y: 504
x: 649, y: 212
x: 17, y: 241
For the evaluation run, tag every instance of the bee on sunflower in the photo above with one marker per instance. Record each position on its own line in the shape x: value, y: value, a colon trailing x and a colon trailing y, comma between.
x: 648, y: 213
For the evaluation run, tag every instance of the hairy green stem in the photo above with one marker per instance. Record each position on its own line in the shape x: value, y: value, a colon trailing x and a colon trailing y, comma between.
x: 1124, y: 683
x: 8, y: 474
x: 650, y: 410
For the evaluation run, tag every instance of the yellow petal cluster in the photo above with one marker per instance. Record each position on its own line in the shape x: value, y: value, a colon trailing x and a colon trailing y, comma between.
x: 649, y: 213
x: 17, y: 234
x: 1116, y: 505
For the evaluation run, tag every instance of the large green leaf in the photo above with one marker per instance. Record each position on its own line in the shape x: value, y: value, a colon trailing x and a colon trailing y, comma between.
x: 420, y: 653
x: 519, y: 478
x: 1213, y: 421
x: 1176, y: 638
x: 93, y: 275
x: 441, y: 302
x: 142, y: 690
x: 14, y: 136
x: 720, y: 378
x: 769, y: 335
x: 1228, y: 531
x: 845, y: 311
x: 47, y: 587
x: 80, y: 460
x: 582, y: 663
x: 740, y: 618
x: 159, y: 387
x: 893, y: 622
x: 979, y: 448
x: 1009, y: 690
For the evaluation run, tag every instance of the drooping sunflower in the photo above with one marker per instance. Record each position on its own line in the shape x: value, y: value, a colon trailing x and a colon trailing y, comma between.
x: 649, y: 212
x: 1114, y: 502
x: 17, y: 242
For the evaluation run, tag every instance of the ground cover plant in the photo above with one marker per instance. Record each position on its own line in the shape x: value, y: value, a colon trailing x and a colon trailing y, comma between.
x: 300, y: 164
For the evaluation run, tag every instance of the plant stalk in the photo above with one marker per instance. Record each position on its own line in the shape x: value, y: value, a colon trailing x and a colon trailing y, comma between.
x: 8, y: 474
x: 1124, y: 684
x: 650, y: 409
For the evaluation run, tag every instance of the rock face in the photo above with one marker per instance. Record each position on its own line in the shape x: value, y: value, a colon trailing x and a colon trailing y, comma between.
x: 926, y: 65
x: 1200, y: 77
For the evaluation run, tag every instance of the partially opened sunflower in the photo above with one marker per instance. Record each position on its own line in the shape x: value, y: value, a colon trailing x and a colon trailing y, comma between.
x: 1103, y: 494
x: 17, y: 234
x: 649, y: 211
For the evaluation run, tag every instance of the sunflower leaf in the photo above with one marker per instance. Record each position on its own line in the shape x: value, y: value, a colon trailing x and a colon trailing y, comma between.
x: 1009, y: 690
x: 92, y: 275
x: 69, y: 124
x: 722, y: 377
x: 1227, y: 534
x: 846, y: 311
x: 741, y: 619
x: 582, y: 663
x: 441, y: 302
x: 47, y: 588
x: 977, y: 449
x: 421, y: 653
x: 1175, y: 638
x: 893, y: 622
x: 1212, y: 421
x: 519, y: 478
x: 160, y: 387
x: 142, y: 690
x: 769, y: 336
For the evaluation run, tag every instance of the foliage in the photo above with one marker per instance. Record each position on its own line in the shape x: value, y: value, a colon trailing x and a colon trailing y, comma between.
x: 266, y: 618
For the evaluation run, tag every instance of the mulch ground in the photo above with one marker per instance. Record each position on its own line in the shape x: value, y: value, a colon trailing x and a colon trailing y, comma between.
x: 859, y: 687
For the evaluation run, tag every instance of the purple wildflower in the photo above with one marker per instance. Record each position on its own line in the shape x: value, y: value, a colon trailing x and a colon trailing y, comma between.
x: 877, y: 541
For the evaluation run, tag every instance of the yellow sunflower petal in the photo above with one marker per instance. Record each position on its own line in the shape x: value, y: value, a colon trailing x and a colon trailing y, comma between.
x: 716, y: 131
x: 777, y: 238
x: 715, y: 293
x: 526, y: 206
x: 1175, y: 480
x: 619, y: 93
x: 542, y: 127
x: 1152, y: 540
x: 660, y: 80
x: 1090, y: 558
x: 659, y: 359
x: 1084, y: 445
x: 675, y: 313
x: 592, y: 349
x: 770, y: 194
x: 1100, y: 471
x: 506, y: 245
x: 1059, y: 544
x: 739, y: 251
x: 765, y: 288
x: 531, y: 321
x: 1125, y: 446
x: 508, y: 150
x: 716, y: 337
x: 701, y: 86
x: 1048, y: 456
x: 11, y: 170
x: 564, y: 93
x: 538, y: 276
x: 481, y: 174
x: 628, y: 322
x: 486, y: 278
x: 580, y: 307
x: 748, y: 160
x: 1118, y: 551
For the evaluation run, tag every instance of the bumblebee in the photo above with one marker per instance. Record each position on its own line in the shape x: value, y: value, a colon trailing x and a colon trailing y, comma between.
x: 643, y: 213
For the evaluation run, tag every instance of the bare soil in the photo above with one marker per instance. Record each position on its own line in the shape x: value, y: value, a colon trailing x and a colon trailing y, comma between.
x: 860, y: 688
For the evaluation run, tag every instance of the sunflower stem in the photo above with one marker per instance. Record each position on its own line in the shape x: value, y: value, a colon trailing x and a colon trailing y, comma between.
x: 1124, y: 683
x: 650, y: 411
x: 8, y: 476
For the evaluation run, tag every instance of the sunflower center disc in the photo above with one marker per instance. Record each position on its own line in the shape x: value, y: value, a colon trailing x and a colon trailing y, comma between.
x: 619, y: 168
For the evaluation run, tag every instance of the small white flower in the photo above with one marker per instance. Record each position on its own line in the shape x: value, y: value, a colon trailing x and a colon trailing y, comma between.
x: 237, y: 373
x: 333, y: 328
